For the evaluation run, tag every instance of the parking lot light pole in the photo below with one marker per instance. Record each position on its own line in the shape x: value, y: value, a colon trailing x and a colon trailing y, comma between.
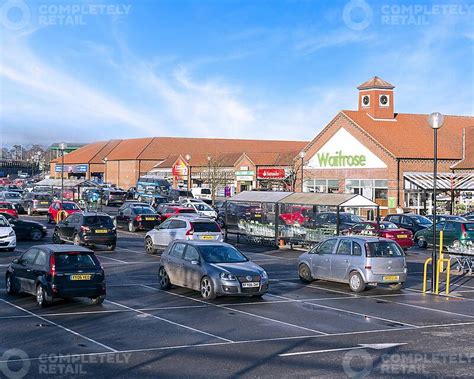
x: 436, y: 121
x: 302, y: 154
x: 188, y: 158
x: 62, y: 147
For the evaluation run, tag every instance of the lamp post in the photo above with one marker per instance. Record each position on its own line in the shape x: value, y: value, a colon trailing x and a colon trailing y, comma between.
x: 436, y: 121
x: 105, y: 169
x: 62, y: 147
x: 188, y: 158
x: 302, y: 154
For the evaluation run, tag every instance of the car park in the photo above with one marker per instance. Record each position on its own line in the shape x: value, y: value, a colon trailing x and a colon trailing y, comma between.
x: 383, y: 229
x: 455, y: 233
x: 137, y: 216
x: 212, y: 268
x: 410, y: 221
x: 36, y: 202
x: 113, y: 196
x: 14, y: 198
x: 7, y: 235
x: 182, y: 228
x: 88, y: 228
x: 202, y: 208
x: 68, y: 207
x: 7, y: 207
x: 53, y: 271
x: 356, y: 260
x: 26, y: 229
x: 167, y: 210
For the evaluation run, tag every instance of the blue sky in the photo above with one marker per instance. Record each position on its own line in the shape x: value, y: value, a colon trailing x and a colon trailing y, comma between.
x: 222, y: 68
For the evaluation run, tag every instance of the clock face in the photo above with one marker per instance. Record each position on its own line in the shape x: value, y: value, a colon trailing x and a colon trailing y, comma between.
x: 365, y: 100
x: 384, y: 99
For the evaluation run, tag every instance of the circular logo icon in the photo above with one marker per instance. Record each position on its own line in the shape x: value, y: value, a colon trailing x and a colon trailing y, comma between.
x: 16, y: 8
x: 14, y: 354
x: 354, y: 8
x: 249, y: 278
x: 357, y: 363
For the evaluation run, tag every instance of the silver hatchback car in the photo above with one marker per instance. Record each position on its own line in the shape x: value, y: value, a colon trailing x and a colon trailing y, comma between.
x: 358, y: 261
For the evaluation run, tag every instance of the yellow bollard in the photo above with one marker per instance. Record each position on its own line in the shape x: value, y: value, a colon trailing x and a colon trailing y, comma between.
x: 448, y: 268
x: 424, y: 273
x: 441, y: 255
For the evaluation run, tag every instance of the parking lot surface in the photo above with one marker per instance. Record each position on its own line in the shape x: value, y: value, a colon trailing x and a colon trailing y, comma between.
x: 296, y: 330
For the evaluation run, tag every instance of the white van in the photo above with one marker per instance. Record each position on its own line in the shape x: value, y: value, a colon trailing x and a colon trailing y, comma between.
x: 201, y: 193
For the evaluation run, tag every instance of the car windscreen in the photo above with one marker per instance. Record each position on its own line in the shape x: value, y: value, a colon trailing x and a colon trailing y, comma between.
x: 75, y: 261
x: 203, y: 207
x: 350, y: 218
x: 469, y: 226
x: 203, y: 227
x: 13, y: 195
x: 143, y: 210
x: 70, y: 206
x: 221, y: 254
x: 3, y: 222
x: 388, y: 225
x: 383, y: 249
x: 102, y: 221
x: 421, y: 220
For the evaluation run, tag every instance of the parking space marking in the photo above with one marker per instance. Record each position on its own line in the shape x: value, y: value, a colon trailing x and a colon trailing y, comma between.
x: 112, y: 259
x: 240, y: 311
x: 60, y: 326
x: 170, y: 322
x: 136, y: 252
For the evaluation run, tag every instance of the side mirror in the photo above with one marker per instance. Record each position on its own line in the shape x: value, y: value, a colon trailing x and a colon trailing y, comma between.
x: 16, y: 261
x: 195, y: 262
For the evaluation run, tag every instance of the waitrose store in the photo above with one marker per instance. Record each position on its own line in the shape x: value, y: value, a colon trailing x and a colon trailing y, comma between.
x: 377, y: 153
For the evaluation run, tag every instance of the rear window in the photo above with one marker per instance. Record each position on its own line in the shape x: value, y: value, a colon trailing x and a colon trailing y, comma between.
x: 185, y: 193
x: 43, y: 197
x: 205, y: 191
x: 103, y: 221
x: 383, y: 249
x: 75, y: 261
x: 5, y: 206
x: 469, y: 226
x: 143, y: 210
x: 70, y: 206
x: 13, y: 195
x: 186, y: 210
x: 116, y: 193
x: 202, y: 227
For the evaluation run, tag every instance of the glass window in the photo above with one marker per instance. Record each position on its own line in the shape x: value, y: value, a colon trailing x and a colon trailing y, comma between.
x: 359, y: 227
x: 165, y: 225
x: 469, y: 226
x: 449, y: 227
x: 383, y: 249
x: 395, y: 219
x: 381, y: 183
x: 439, y: 226
x: 75, y: 260
x: 221, y: 254
x: 327, y: 247
x: 356, y: 249
x: 177, y: 224
x: 344, y: 247
x: 41, y: 258
x: 191, y: 254
x: 102, y: 221
x: 177, y: 250
x: 29, y: 257
x: 203, y: 227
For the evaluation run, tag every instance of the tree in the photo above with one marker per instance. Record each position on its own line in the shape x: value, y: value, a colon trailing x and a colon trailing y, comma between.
x: 219, y: 174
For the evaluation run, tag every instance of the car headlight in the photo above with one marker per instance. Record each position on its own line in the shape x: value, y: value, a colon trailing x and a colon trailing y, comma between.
x: 11, y: 234
x: 226, y: 276
x: 264, y: 275
x: 45, y: 228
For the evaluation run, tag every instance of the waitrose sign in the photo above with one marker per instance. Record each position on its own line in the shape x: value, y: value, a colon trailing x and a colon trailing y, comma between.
x: 344, y: 151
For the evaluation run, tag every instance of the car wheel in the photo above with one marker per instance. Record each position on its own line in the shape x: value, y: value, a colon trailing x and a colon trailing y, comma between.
x: 41, y: 296
x: 395, y: 286
x: 304, y: 273
x: 131, y: 227
x: 165, y: 283
x: 76, y: 240
x: 98, y: 300
x: 421, y: 243
x: 111, y: 247
x: 149, y: 248
x: 10, y: 285
x: 356, y: 283
x: 207, y: 289
x: 56, y: 238
x: 36, y: 235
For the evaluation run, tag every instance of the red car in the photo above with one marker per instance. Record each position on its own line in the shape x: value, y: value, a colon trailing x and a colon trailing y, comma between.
x: 296, y: 215
x: 168, y: 210
x: 69, y: 207
x: 385, y: 229
x: 7, y: 207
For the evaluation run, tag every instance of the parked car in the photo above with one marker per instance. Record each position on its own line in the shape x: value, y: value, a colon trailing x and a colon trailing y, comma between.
x: 113, y: 196
x: 88, y: 228
x: 137, y: 216
x: 410, y: 221
x: 25, y: 229
x: 182, y: 228
x: 36, y: 202
x: 14, y: 198
x: 212, y: 268
x: 356, y: 260
x: 329, y: 220
x: 7, y: 235
x: 166, y: 210
x: 201, y: 193
x: 69, y: 207
x: 384, y: 229
x: 202, y: 208
x: 176, y: 194
x: 7, y: 207
x: 454, y: 233
x: 237, y: 212
x: 53, y: 271
x: 440, y: 218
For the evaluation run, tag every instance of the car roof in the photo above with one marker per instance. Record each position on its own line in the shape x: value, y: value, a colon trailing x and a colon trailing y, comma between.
x: 203, y: 243
x: 94, y: 214
x: 53, y: 248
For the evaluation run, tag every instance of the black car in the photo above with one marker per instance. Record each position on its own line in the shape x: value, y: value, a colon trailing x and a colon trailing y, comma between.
x: 329, y: 220
x: 135, y: 215
x: 53, y: 271
x: 26, y: 230
x: 113, y: 196
x: 88, y: 228
x: 410, y: 221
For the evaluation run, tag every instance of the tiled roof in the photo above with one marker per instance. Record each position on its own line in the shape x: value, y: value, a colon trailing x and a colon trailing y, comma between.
x: 105, y: 151
x: 130, y: 149
x: 410, y: 136
x: 84, y: 154
x: 375, y: 82
x: 468, y: 162
x: 285, y: 158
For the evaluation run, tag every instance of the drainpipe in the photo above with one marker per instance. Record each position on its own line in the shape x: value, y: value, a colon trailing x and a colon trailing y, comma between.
x: 398, y: 182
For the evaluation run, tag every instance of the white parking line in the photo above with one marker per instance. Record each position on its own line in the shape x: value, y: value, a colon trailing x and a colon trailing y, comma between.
x: 59, y: 326
x: 112, y: 259
x: 240, y: 311
x: 136, y: 252
x: 170, y: 322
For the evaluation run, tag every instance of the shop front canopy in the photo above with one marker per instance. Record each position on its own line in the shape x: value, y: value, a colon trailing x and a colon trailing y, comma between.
x: 445, y: 181
x: 260, y: 196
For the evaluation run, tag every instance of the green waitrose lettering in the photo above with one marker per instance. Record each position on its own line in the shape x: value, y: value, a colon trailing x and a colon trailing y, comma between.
x: 340, y: 160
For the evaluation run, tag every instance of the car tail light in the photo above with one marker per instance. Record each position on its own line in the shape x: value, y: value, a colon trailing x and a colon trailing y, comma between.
x: 138, y: 218
x: 190, y: 231
x: 463, y: 229
x: 35, y: 202
x: 85, y: 229
x: 52, y: 265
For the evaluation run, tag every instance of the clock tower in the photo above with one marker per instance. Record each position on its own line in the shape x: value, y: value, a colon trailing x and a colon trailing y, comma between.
x: 376, y: 98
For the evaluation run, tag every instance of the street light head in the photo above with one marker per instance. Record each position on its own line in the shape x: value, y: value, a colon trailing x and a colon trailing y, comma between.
x: 187, y: 157
x: 302, y: 154
x: 62, y: 146
x: 436, y: 120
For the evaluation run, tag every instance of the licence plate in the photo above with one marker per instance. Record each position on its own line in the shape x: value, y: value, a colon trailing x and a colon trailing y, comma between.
x: 258, y: 215
x: 149, y: 219
x: 43, y: 202
x: 206, y: 238
x: 81, y: 277
x: 390, y: 277
x: 250, y: 285
x: 402, y: 236
x: 101, y: 231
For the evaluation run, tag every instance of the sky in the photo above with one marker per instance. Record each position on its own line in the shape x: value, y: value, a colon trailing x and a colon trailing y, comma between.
x: 83, y: 71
